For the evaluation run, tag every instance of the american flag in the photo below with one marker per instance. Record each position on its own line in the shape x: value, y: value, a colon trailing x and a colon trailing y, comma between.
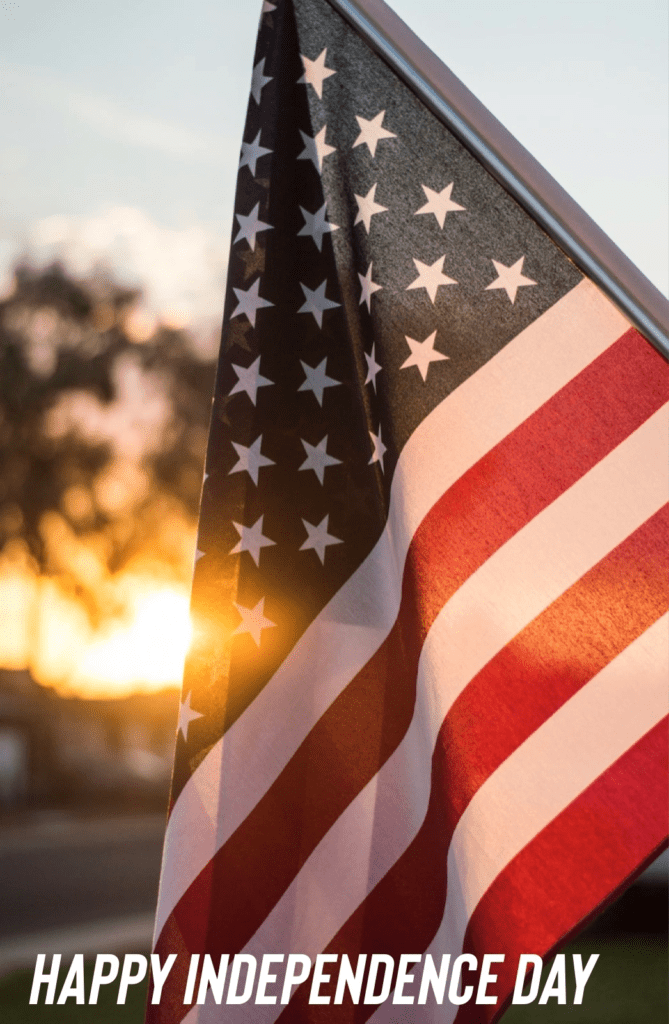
x: 425, y: 702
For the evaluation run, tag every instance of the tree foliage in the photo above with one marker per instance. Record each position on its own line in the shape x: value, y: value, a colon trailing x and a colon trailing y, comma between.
x: 79, y: 466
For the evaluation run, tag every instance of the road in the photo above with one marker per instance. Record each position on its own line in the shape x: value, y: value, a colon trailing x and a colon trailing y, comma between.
x: 60, y: 872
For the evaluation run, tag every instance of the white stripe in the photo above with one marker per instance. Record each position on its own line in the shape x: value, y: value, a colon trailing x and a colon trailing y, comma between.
x: 540, y: 779
x: 531, y: 571
x: 481, y: 412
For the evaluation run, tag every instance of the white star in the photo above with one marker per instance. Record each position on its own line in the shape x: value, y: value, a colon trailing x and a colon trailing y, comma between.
x: 249, y: 380
x: 431, y: 277
x: 251, y: 153
x: 251, y: 539
x: 198, y: 555
x: 267, y: 7
x: 371, y: 132
x: 259, y: 80
x: 250, y: 226
x: 439, y: 203
x: 186, y: 716
x: 368, y: 288
x: 250, y: 459
x: 422, y: 354
x: 316, y: 302
x: 318, y: 538
x: 316, y: 225
x: 249, y: 302
x: 317, y: 458
x: 379, y: 449
x: 317, y: 380
x: 510, y: 278
x: 373, y: 368
x: 253, y: 620
x: 315, y: 72
x: 367, y: 207
x: 316, y: 148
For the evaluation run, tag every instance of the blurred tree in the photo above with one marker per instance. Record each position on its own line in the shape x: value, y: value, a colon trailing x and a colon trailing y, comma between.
x: 102, y: 433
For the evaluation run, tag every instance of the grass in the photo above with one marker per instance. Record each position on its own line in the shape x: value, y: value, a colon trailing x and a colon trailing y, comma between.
x: 15, y: 1008
x: 628, y: 986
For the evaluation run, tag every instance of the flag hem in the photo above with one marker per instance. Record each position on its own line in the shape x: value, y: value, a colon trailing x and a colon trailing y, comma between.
x: 511, y: 164
x: 589, y: 919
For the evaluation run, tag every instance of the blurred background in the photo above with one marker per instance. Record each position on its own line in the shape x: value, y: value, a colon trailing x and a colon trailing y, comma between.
x: 120, y: 128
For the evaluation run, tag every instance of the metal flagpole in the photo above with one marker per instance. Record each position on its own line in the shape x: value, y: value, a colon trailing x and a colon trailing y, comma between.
x: 529, y: 183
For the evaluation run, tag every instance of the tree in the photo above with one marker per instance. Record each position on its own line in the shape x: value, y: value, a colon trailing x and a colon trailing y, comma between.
x: 86, y: 480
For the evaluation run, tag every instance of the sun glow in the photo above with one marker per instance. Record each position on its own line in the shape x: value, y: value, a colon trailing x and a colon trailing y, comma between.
x: 47, y: 630
x: 147, y: 653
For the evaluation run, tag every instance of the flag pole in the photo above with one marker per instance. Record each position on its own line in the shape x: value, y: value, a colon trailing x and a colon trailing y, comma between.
x: 510, y: 163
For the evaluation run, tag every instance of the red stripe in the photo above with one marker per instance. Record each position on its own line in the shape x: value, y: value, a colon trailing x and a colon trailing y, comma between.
x: 552, y: 658
x: 488, y: 505
x: 577, y: 864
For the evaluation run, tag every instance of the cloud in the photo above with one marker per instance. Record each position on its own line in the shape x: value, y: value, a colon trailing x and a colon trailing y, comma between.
x: 180, y: 270
x: 115, y: 122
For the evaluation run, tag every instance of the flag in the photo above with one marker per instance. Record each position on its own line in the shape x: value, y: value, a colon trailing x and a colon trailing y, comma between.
x: 424, y: 710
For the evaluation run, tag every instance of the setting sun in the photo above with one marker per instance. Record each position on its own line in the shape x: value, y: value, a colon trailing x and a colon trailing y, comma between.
x: 48, y: 630
x: 146, y: 653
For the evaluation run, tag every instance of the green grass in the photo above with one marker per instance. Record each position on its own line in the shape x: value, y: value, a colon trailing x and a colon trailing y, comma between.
x: 627, y: 986
x: 15, y: 1008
